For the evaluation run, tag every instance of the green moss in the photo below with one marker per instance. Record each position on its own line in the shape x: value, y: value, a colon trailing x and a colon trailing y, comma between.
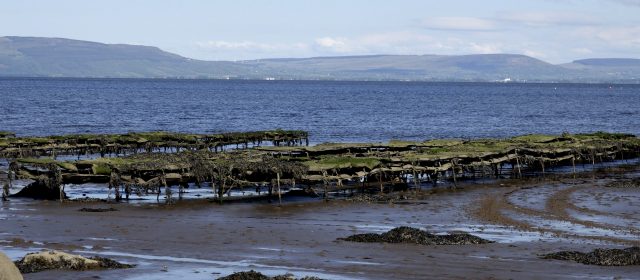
x: 435, y: 151
x: 37, y: 161
x: 47, y: 161
x: 68, y: 166
x: 101, y: 169
x: 535, y: 138
x: 605, y: 135
x: 40, y: 140
x: 400, y: 143
x: 343, y: 162
x: 442, y: 143
x: 5, y: 134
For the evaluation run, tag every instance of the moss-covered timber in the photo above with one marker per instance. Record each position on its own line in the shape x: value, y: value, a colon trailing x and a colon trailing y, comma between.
x: 129, y: 143
x: 333, y: 163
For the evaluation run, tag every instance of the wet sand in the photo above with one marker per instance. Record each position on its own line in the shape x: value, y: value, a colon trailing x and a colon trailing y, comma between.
x: 202, y: 240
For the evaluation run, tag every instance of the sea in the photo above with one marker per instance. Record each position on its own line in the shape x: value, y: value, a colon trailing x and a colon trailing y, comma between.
x: 331, y: 111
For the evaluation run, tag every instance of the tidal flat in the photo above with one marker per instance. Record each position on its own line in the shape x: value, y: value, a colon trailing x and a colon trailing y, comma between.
x: 562, y: 206
x: 202, y: 240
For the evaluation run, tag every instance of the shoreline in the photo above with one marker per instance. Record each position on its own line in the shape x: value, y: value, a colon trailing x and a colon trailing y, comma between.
x: 202, y: 238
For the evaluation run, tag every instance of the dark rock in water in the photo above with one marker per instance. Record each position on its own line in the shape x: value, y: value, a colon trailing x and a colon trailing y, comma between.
x: 417, y: 236
x: 39, y: 190
x: 110, y: 264
x: 47, y: 260
x: 365, y: 237
x: 254, y: 275
x: 628, y: 183
x: 246, y: 275
x: 393, y: 197
x: 461, y: 238
x: 604, y: 257
x: 98, y: 210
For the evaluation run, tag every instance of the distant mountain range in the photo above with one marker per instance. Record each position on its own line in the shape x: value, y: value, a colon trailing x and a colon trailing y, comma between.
x: 56, y: 57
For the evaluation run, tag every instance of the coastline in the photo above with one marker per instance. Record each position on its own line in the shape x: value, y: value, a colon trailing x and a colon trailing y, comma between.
x: 203, y: 238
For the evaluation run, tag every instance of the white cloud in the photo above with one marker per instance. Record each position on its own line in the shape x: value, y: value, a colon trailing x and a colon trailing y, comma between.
x: 546, y: 19
x: 337, y: 45
x: 627, y: 2
x: 250, y: 46
x: 534, y: 53
x: 617, y: 36
x: 484, y: 48
x: 402, y: 42
x: 582, y: 51
x: 329, y: 42
x: 459, y: 23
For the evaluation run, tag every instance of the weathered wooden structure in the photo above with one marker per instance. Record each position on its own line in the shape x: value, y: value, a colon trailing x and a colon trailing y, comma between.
x: 162, y: 160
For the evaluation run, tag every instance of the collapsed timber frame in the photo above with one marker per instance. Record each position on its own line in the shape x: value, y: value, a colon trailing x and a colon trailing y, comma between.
x: 149, y: 162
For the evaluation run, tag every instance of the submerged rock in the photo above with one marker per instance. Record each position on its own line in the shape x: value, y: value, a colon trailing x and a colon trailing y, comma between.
x: 393, y: 197
x: 46, y: 260
x: 628, y: 183
x: 97, y: 210
x: 604, y: 257
x: 8, y: 270
x: 39, y: 190
x: 417, y: 236
x: 254, y: 275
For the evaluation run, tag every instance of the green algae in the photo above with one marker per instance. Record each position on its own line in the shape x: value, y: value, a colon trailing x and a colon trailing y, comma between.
x: 264, y: 163
x: 343, y: 162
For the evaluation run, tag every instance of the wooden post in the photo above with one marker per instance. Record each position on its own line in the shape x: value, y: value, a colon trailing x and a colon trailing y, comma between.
x: 213, y: 186
x: 380, y: 181
x: 325, y: 182
x: 453, y: 172
x: 573, y: 162
x: 434, y: 179
x: 5, y: 192
x: 278, y: 182
x: 10, y: 177
x: 364, y: 180
x: 518, y: 166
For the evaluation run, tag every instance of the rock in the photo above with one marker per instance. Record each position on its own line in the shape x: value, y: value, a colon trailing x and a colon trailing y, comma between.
x: 254, y: 275
x: 246, y: 275
x: 604, y: 257
x: 393, y: 197
x: 46, y: 260
x: 98, y: 210
x: 8, y: 270
x: 628, y: 183
x: 417, y: 236
x: 39, y: 190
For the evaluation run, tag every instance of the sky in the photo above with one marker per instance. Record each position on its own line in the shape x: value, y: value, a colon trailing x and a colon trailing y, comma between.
x: 556, y: 31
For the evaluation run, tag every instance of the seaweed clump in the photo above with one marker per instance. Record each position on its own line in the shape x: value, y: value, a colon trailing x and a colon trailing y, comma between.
x: 48, y: 260
x: 629, y: 183
x: 603, y: 257
x: 254, y: 275
x: 416, y: 236
x: 97, y: 210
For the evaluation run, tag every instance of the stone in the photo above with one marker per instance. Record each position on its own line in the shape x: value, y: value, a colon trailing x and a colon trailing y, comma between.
x: 8, y: 270
x: 417, y: 236
x: 46, y: 260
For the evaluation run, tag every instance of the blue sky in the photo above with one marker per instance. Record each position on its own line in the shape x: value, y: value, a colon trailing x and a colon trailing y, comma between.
x: 555, y: 31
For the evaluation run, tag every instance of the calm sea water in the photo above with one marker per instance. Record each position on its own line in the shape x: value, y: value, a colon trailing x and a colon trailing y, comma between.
x: 330, y: 111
